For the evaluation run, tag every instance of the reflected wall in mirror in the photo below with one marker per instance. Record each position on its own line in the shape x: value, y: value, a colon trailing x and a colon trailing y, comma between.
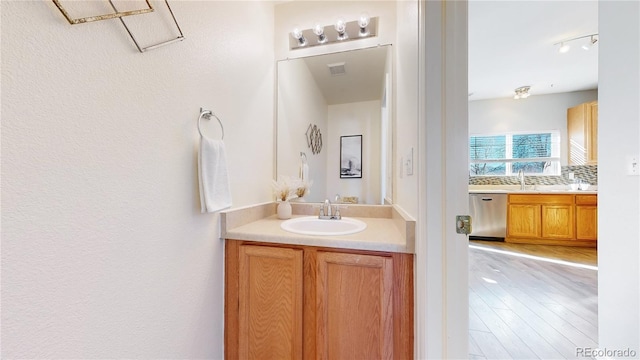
x: 346, y: 93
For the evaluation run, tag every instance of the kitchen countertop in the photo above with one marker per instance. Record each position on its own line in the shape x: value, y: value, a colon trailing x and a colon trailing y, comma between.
x: 530, y: 189
x: 389, y: 229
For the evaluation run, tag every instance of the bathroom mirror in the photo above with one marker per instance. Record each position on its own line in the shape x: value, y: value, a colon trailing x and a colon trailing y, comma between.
x: 341, y: 94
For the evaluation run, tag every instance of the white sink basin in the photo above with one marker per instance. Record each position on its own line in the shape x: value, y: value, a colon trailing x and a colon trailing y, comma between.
x: 311, y: 225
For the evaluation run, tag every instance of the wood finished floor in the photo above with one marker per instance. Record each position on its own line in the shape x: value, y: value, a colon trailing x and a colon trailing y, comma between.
x: 528, y: 308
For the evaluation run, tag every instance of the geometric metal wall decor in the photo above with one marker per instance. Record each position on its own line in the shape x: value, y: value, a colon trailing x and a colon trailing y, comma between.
x: 314, y: 139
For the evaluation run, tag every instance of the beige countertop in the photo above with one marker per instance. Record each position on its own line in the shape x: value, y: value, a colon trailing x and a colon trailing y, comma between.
x: 530, y: 189
x: 388, y: 228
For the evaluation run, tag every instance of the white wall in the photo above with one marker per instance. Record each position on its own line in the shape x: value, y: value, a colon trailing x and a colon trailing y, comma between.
x: 406, y: 105
x: 104, y: 251
x: 361, y: 118
x: 300, y: 103
x: 537, y: 112
x: 619, y: 193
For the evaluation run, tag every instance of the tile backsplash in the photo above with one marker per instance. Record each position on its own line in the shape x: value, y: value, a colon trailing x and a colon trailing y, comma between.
x: 586, y: 173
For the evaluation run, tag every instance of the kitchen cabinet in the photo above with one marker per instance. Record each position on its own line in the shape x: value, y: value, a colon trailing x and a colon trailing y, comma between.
x: 557, y: 221
x: 552, y: 219
x: 587, y: 217
x: 524, y: 220
x: 294, y: 302
x: 582, y: 133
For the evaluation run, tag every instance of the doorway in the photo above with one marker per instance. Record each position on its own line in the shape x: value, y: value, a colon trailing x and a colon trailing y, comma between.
x: 522, y: 298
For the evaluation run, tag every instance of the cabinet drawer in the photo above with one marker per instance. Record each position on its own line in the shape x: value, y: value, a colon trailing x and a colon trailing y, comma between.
x: 586, y: 199
x: 540, y: 199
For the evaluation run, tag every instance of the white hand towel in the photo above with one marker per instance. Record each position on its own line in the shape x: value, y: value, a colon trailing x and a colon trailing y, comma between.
x: 305, y: 172
x: 215, y: 194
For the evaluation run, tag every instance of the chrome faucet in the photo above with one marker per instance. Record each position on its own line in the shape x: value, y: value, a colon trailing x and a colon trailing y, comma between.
x: 327, y: 213
x: 327, y: 207
x: 521, y: 178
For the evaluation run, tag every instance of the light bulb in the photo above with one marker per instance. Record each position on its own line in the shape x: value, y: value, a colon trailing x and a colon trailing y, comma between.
x: 590, y: 44
x: 363, y: 21
x: 297, y: 34
x: 564, y: 48
x: 319, y: 31
x: 341, y: 28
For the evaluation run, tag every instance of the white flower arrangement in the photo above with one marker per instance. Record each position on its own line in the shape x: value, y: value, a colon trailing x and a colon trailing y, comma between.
x: 284, y: 188
x: 287, y: 188
x: 303, y: 187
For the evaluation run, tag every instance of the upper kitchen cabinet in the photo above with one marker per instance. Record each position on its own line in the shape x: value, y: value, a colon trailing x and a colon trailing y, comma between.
x: 582, y: 132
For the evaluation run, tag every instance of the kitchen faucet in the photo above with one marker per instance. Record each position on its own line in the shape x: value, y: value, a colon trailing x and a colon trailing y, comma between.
x: 521, y: 178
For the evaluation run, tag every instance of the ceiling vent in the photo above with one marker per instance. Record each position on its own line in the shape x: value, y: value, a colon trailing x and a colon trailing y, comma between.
x: 337, y: 69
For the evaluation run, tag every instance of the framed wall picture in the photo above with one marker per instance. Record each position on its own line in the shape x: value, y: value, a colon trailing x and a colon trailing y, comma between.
x: 351, y: 157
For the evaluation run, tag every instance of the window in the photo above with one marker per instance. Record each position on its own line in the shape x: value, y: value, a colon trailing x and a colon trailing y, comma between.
x: 506, y: 154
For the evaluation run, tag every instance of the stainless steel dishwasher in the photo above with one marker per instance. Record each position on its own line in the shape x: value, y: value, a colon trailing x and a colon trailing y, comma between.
x: 488, y: 216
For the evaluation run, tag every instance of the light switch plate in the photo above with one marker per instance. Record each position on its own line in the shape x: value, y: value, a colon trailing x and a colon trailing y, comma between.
x: 409, y: 162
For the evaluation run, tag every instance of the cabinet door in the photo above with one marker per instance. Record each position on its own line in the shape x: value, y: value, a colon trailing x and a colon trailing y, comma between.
x: 557, y: 221
x: 576, y: 130
x: 586, y: 222
x: 354, y: 312
x: 270, y: 303
x: 523, y: 221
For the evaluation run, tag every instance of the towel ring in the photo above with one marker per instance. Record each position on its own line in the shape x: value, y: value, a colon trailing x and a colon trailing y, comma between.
x: 208, y: 114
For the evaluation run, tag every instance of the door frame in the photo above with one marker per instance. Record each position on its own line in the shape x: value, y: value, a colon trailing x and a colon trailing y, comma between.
x: 442, y: 294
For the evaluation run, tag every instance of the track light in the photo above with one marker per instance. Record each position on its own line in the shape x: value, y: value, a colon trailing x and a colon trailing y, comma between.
x: 592, y: 42
x: 565, y: 46
x: 522, y: 92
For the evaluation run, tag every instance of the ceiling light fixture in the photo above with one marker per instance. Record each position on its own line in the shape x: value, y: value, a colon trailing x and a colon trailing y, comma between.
x: 565, y: 46
x: 522, y: 92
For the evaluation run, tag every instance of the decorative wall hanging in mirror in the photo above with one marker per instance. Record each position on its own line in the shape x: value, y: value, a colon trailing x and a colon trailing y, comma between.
x: 351, y: 157
x: 314, y: 139
x: 119, y: 15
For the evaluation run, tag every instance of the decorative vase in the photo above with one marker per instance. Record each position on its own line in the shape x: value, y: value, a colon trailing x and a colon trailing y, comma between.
x: 284, y: 210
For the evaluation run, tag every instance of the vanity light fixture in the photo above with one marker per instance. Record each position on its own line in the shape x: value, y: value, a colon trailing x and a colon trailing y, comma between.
x: 363, y: 21
x: 522, y: 92
x: 298, y: 35
x: 362, y: 28
x: 341, y: 29
x: 564, y: 45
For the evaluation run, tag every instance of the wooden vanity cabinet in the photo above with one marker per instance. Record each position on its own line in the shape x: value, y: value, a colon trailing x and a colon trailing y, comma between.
x: 582, y: 133
x: 552, y: 219
x: 294, y: 302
